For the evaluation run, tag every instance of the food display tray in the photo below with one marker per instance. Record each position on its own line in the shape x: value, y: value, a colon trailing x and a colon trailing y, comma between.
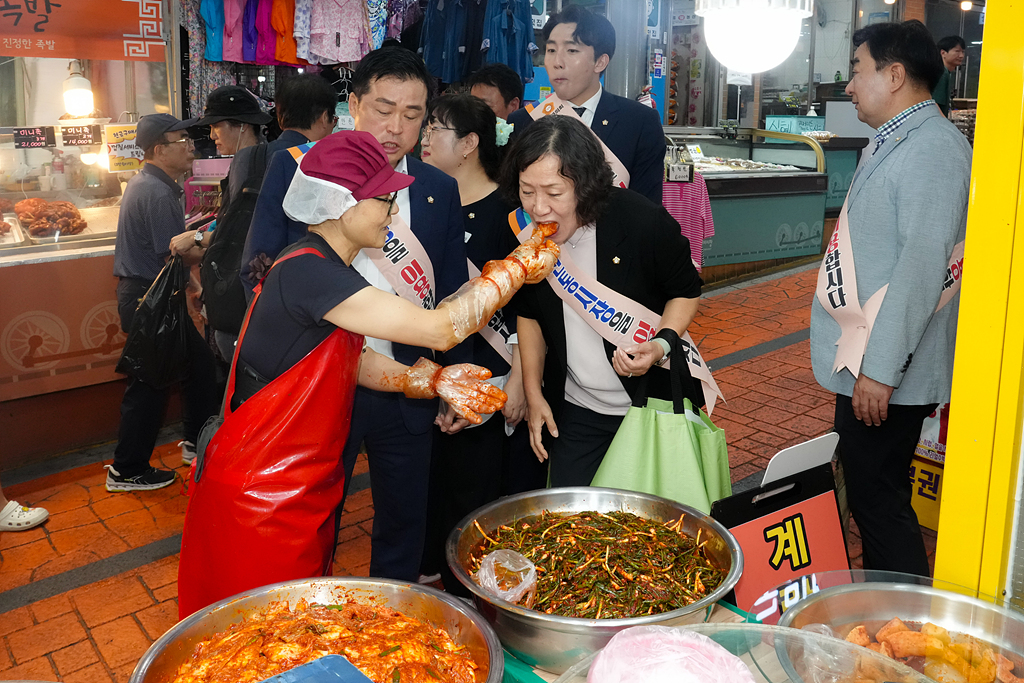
x: 17, y: 236
x: 101, y: 220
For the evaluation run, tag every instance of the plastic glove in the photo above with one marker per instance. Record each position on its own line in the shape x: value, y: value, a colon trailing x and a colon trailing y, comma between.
x: 476, y: 301
x: 463, y: 387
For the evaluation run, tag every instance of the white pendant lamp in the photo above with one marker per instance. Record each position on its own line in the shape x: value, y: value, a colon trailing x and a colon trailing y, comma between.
x: 77, y: 91
x: 752, y: 35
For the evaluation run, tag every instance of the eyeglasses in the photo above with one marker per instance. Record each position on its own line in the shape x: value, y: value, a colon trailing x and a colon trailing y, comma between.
x: 189, y: 144
x: 390, y: 201
x: 430, y: 130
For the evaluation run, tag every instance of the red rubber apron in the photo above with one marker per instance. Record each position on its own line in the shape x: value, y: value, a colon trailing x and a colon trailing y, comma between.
x: 263, y: 509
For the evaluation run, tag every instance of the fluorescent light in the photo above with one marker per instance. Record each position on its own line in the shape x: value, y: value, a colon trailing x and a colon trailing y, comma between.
x: 966, y: 5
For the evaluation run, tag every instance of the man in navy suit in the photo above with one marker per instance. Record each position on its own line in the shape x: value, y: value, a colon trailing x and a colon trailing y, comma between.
x: 578, y: 46
x: 389, y: 100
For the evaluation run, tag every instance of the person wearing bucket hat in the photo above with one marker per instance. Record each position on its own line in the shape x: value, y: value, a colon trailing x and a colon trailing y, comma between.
x: 256, y: 516
x: 234, y: 116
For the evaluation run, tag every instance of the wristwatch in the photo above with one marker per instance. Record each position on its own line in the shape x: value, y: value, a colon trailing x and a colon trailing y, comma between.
x: 666, y: 347
x: 199, y: 238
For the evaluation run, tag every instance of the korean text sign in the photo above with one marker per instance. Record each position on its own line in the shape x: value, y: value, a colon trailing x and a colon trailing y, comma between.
x: 122, y: 151
x: 83, y: 29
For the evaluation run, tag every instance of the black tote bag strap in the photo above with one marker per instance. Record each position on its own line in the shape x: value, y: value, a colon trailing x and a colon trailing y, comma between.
x: 680, y: 378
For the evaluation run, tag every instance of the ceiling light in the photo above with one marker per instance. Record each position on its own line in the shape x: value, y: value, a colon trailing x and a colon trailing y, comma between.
x: 77, y: 91
x: 752, y: 35
x: 966, y: 5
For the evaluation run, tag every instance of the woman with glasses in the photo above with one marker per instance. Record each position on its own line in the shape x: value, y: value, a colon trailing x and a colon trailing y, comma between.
x: 262, y: 508
x: 473, y: 466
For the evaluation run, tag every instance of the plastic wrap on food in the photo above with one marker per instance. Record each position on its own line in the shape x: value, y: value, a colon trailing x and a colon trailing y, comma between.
x: 510, y: 576
x: 659, y: 653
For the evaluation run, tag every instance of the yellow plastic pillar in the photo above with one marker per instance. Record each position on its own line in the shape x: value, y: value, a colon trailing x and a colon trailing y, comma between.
x: 984, y: 438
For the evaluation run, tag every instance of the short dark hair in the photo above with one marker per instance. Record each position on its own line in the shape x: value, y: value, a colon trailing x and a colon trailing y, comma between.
x: 949, y: 42
x: 591, y: 29
x: 148, y: 154
x: 303, y: 99
x: 500, y: 76
x: 389, y: 62
x: 909, y: 44
x: 467, y: 114
x: 581, y: 160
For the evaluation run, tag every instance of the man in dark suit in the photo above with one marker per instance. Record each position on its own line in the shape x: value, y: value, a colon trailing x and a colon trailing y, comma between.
x: 388, y: 100
x: 578, y: 46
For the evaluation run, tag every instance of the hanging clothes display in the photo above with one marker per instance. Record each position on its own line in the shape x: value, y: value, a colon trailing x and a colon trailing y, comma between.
x: 232, y: 38
x: 443, y: 26
x: 473, y: 37
x: 212, y: 12
x: 282, y: 19
x: 338, y: 30
x: 508, y: 36
x: 303, y: 10
x: 249, y: 32
x: 377, y: 13
x: 266, y: 41
x: 204, y: 76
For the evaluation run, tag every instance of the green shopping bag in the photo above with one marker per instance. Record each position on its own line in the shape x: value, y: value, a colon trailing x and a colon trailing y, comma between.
x: 668, y: 448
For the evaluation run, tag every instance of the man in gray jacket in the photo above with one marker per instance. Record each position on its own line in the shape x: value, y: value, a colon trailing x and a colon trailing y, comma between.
x: 883, y: 321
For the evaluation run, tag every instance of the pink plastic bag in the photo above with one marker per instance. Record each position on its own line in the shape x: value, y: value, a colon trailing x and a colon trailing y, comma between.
x: 658, y: 653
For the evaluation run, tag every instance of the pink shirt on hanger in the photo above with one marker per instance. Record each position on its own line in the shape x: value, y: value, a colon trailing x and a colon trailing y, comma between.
x: 266, y: 44
x: 233, y: 10
x: 338, y: 30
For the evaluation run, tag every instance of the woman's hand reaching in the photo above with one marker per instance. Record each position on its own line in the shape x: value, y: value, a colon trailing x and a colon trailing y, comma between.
x: 462, y: 386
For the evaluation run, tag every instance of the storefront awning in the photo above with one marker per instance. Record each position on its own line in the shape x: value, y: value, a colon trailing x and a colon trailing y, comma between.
x: 83, y: 29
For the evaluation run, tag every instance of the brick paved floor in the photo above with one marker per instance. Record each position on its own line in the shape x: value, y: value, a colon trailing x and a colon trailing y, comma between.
x: 96, y: 633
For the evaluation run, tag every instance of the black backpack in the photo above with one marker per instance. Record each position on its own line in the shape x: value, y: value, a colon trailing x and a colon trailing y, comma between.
x: 223, y: 292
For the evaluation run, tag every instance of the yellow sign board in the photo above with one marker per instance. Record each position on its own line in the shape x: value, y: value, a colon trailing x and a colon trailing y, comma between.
x: 926, y: 479
x: 122, y: 151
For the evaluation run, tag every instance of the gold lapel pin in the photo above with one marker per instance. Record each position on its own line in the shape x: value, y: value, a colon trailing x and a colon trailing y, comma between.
x: 616, y: 260
x: 430, y: 200
x: 605, y: 122
x: 472, y: 215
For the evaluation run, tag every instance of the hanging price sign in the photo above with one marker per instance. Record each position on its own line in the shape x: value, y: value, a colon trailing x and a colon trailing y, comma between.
x: 34, y: 138
x: 80, y: 136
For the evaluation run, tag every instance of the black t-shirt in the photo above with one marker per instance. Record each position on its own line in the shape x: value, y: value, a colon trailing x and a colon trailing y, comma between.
x: 486, y: 223
x: 287, y: 321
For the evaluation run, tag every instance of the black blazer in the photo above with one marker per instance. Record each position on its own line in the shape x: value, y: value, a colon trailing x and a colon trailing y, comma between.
x: 654, y: 265
x: 632, y: 132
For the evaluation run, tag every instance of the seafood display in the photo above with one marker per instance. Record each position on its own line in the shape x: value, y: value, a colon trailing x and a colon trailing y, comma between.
x: 943, y: 656
x: 46, y: 219
x: 385, y: 645
x: 614, y: 565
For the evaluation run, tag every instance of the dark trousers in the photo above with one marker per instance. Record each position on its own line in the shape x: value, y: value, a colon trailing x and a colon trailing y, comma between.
x: 399, y: 479
x: 583, y: 438
x: 876, y: 465
x: 522, y: 471
x: 142, y: 408
x: 465, y: 474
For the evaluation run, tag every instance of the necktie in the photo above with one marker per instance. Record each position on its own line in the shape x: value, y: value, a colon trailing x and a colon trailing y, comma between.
x: 580, y: 111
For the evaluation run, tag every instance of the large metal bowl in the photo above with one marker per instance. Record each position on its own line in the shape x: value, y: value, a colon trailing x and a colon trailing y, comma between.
x: 555, y: 643
x: 463, y: 624
x: 873, y: 604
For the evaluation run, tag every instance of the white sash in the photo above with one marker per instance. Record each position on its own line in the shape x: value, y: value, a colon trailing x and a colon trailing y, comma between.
x: 405, y: 265
x: 621, y: 321
x: 496, y: 331
x: 837, y: 293
x: 555, y: 105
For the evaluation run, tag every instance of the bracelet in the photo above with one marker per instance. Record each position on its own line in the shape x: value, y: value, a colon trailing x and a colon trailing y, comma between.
x: 666, y: 349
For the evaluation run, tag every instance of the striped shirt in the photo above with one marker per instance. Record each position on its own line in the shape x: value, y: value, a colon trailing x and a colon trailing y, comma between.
x: 895, y: 122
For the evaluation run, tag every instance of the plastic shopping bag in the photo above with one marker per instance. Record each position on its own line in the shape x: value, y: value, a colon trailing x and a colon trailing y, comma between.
x: 660, y: 653
x: 156, y: 350
x: 509, y: 576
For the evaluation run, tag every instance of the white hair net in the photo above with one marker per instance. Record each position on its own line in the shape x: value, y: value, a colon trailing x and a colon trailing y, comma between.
x: 312, y: 201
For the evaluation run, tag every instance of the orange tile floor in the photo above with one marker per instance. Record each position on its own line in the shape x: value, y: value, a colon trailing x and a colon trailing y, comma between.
x: 106, y: 562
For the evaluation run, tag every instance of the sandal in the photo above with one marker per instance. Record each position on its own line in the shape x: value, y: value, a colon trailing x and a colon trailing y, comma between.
x: 15, y: 517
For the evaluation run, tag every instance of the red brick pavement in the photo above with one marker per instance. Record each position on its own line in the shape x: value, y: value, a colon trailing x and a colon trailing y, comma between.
x: 97, y: 633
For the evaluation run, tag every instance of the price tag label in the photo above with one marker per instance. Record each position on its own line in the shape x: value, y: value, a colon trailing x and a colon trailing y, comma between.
x: 80, y: 136
x: 695, y: 152
x: 34, y: 138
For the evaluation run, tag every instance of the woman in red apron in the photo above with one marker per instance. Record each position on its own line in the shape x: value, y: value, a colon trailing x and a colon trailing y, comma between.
x: 265, y: 489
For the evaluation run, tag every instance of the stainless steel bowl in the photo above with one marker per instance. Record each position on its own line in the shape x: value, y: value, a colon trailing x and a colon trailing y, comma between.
x: 874, y: 604
x: 463, y: 624
x: 555, y: 643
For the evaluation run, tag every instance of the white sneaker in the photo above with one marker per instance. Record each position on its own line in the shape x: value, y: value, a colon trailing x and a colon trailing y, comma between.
x: 188, y: 452
x: 15, y: 517
x: 428, y: 578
